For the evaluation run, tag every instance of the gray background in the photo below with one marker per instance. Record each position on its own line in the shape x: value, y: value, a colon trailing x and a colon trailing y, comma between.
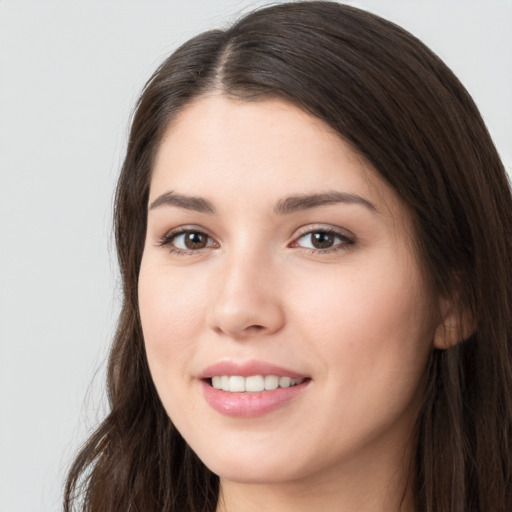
x: 69, y: 75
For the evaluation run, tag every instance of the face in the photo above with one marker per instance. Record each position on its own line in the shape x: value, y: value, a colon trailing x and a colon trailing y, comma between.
x: 286, y: 319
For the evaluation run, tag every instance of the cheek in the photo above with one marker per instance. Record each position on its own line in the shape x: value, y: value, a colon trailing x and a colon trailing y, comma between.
x: 371, y: 335
x: 368, y: 320
x: 171, y: 309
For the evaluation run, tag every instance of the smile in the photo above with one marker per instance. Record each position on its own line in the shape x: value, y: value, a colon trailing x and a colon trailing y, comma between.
x: 251, y: 388
x: 252, y: 383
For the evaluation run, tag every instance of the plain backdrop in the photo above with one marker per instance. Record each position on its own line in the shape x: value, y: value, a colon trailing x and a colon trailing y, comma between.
x: 70, y: 73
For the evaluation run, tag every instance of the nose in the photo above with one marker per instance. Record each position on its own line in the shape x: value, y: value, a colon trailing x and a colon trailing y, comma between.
x: 246, y: 298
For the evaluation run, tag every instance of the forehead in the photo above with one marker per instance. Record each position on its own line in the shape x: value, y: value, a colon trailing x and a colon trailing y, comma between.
x: 229, y: 149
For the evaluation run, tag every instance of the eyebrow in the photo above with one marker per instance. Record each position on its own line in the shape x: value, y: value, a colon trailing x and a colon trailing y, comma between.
x: 282, y: 207
x: 197, y: 204
x: 307, y: 201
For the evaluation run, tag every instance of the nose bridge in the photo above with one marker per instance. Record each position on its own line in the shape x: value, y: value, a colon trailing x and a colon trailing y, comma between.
x: 246, y: 298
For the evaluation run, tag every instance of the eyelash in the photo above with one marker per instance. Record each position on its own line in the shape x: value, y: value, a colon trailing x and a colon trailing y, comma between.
x: 346, y: 240
x: 169, y: 238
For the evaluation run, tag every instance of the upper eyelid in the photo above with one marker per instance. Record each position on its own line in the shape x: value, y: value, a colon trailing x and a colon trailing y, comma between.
x: 187, y: 229
x: 307, y: 228
x: 313, y: 228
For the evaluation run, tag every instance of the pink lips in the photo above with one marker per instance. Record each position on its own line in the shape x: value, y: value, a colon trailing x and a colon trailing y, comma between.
x: 249, y: 404
x: 246, y: 369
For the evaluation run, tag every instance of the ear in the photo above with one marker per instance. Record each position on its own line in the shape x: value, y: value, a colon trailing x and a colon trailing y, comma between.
x: 456, y: 323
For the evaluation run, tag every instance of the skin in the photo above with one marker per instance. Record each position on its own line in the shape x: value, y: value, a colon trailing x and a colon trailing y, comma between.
x: 358, y: 320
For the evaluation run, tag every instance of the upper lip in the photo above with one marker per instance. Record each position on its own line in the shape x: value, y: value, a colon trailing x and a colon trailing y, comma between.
x: 246, y: 369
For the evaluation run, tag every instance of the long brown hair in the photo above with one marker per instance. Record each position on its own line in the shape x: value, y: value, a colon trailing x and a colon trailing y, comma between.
x: 388, y: 95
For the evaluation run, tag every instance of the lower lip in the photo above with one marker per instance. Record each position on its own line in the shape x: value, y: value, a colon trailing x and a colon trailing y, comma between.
x: 250, y: 405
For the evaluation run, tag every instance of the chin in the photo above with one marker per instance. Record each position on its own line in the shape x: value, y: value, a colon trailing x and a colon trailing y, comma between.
x: 252, y: 470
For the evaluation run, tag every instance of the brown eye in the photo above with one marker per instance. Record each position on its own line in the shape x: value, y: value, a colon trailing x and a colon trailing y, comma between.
x: 187, y: 241
x: 322, y: 240
x: 194, y: 240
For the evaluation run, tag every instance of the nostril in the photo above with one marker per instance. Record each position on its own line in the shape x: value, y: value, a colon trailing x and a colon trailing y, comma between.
x: 255, y: 328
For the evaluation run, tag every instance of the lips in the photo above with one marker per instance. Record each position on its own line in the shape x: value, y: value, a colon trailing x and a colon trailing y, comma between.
x: 248, y: 368
x: 251, y: 388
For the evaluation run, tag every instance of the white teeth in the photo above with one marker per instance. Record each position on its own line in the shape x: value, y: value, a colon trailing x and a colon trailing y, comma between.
x: 253, y: 383
x: 271, y: 382
x: 284, y: 382
x: 236, y: 383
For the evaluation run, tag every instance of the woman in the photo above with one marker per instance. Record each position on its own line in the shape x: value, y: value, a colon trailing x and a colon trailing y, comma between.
x: 313, y: 229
